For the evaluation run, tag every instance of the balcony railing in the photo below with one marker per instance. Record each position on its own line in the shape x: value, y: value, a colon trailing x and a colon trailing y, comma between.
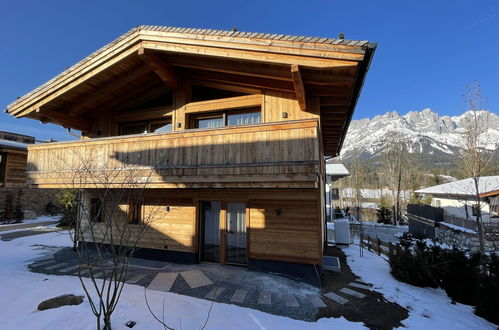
x: 280, y: 155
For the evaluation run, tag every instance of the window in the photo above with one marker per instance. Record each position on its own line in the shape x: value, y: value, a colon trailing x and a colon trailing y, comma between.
x: 494, y: 207
x: 159, y: 126
x: 2, y: 168
x: 96, y: 210
x: 152, y: 126
x: 227, y: 118
x: 475, y: 210
x: 134, y: 211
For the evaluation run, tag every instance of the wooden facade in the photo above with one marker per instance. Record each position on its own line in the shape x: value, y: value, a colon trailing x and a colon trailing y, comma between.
x: 13, y: 159
x: 218, y: 124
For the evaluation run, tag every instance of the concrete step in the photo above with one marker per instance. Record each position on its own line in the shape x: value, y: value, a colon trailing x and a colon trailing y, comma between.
x: 336, y: 298
x: 352, y: 293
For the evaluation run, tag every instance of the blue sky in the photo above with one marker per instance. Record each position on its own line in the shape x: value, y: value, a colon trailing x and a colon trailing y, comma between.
x: 428, y: 51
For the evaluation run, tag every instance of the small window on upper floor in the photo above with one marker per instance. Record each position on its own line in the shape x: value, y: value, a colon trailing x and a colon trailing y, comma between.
x: 159, y: 126
x: 151, y: 126
x: 226, y: 118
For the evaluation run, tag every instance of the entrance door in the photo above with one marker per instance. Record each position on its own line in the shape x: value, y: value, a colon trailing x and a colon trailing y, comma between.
x: 236, y: 233
x: 210, y: 231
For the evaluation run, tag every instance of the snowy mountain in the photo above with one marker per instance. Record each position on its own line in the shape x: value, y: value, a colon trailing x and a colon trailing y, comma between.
x: 424, y: 132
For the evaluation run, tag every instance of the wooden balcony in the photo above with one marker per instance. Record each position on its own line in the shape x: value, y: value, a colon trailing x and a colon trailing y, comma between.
x: 276, y: 155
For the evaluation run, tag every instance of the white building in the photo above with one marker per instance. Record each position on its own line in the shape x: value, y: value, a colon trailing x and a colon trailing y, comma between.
x: 458, y: 198
x: 333, y: 173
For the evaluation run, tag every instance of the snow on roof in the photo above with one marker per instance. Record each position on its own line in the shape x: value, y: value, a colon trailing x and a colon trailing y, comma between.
x: 338, y: 170
x: 13, y: 144
x: 465, y: 187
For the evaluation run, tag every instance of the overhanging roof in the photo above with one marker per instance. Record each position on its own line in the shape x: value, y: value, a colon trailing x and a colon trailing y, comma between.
x: 332, y: 69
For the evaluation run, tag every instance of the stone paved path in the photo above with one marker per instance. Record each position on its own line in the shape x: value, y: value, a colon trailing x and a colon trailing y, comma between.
x: 27, y: 225
x: 239, y: 296
x: 352, y: 293
x: 29, y: 232
x: 196, y: 278
x: 223, y: 284
x: 163, y: 282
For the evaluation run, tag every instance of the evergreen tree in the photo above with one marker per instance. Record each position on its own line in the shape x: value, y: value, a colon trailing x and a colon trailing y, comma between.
x: 18, y: 213
x: 8, y: 207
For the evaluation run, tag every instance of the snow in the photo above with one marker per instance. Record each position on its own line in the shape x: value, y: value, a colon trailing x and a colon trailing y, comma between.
x: 465, y: 187
x: 374, y: 193
x: 453, y: 226
x: 423, y: 131
x: 32, y: 221
x: 24, y: 290
x: 428, y: 308
x: 336, y: 170
x: 14, y: 144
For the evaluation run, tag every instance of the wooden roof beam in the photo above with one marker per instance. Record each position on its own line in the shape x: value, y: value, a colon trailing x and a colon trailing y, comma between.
x: 163, y: 70
x: 299, y: 88
x: 141, y: 95
x: 113, y: 86
x: 239, y: 80
x: 80, y: 124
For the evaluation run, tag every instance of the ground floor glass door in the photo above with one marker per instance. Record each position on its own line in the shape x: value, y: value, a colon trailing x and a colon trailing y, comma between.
x: 236, y: 233
x: 210, y: 231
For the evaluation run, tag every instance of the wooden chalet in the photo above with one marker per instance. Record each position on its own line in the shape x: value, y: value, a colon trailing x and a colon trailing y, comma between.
x: 13, y: 159
x: 234, y: 125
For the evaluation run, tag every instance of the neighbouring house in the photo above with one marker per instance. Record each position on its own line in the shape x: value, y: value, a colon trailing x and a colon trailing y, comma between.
x: 13, y: 158
x: 234, y: 125
x: 454, y: 207
x: 13, y: 162
x: 334, y: 171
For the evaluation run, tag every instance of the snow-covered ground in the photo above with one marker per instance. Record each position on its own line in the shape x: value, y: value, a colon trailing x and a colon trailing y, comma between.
x: 22, y: 291
x: 42, y: 218
x: 428, y: 308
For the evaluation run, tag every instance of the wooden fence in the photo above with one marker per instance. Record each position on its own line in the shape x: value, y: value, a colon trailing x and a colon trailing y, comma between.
x: 378, y: 246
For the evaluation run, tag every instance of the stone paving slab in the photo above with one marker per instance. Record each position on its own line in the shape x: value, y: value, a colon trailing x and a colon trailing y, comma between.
x: 316, y: 301
x: 290, y: 300
x: 27, y: 225
x: 69, y: 269
x: 163, y: 282
x: 352, y: 293
x: 48, y: 262
x: 360, y: 286
x: 83, y: 272
x: 56, y: 266
x: 239, y: 296
x: 264, y: 298
x: 135, y: 279
x: 214, y: 293
x: 29, y: 232
x: 196, y: 278
x: 336, y: 298
x: 98, y: 274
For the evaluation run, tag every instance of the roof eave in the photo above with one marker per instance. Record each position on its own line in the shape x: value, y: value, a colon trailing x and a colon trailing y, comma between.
x: 364, y: 68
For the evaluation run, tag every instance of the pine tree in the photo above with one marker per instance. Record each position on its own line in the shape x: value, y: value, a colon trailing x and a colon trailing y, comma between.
x: 18, y: 213
x: 8, y: 207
